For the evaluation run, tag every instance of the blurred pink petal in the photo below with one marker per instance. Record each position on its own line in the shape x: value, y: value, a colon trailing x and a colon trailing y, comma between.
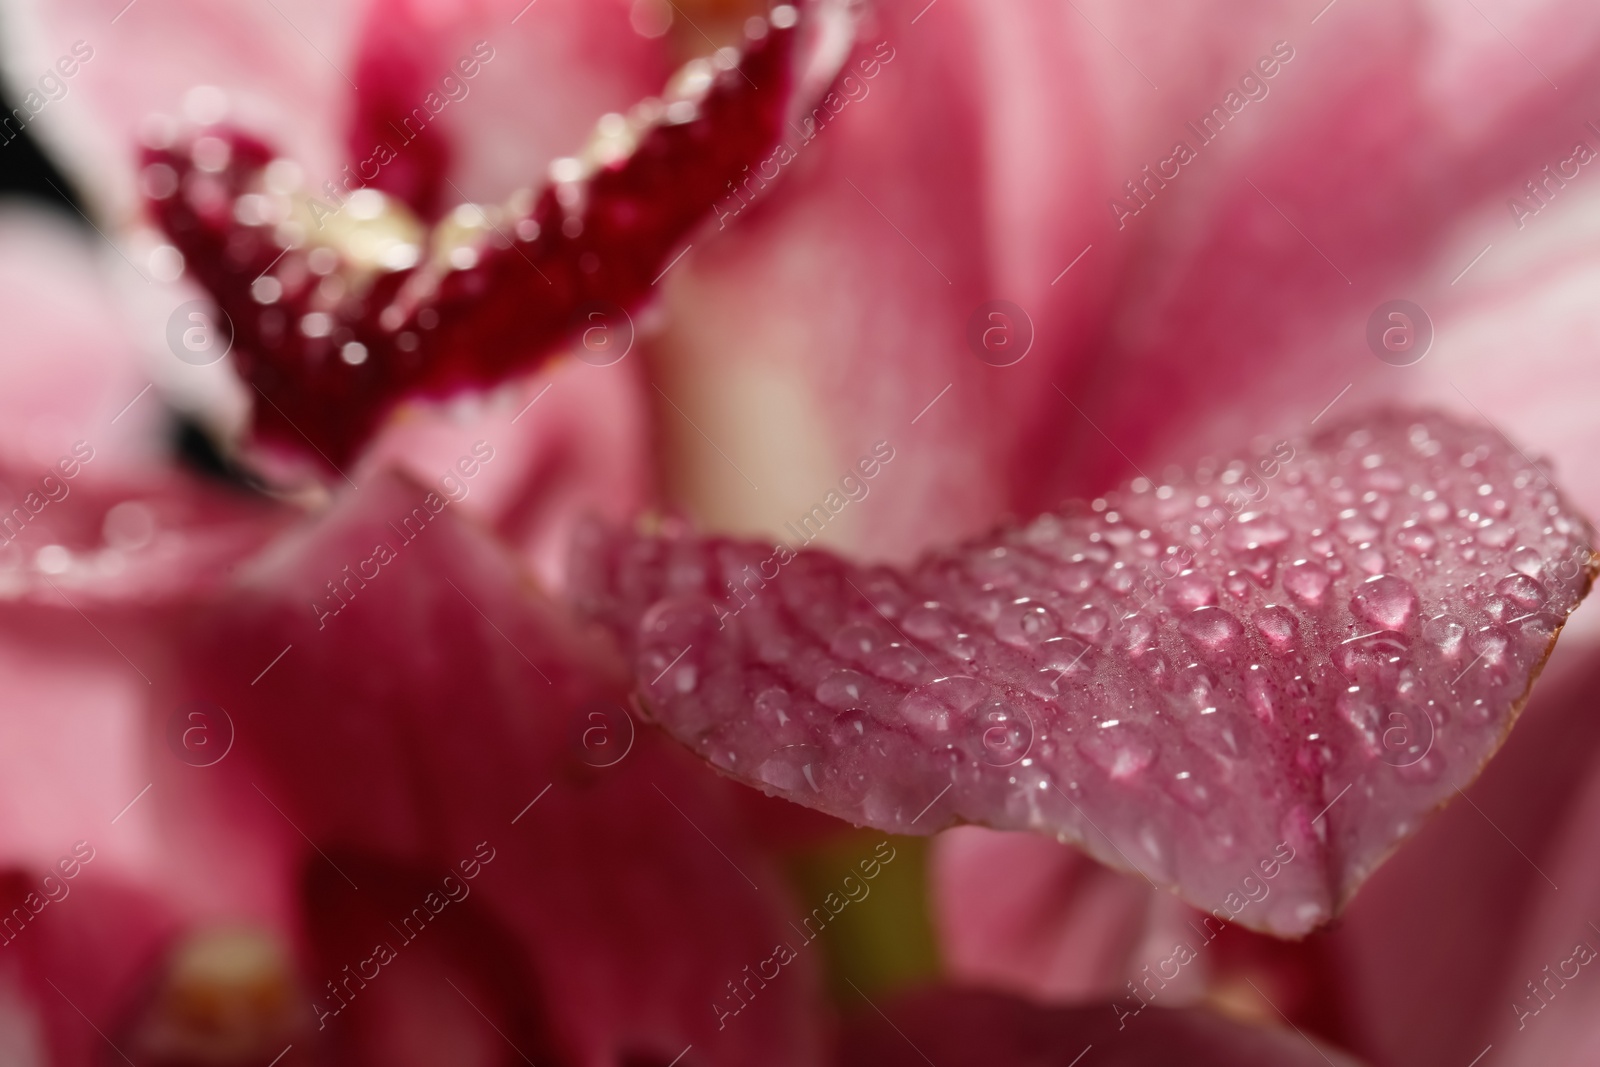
x: 274, y: 65
x: 956, y: 1028
x: 429, y: 715
x: 553, y: 68
x: 1026, y: 914
x: 1492, y: 867
x: 94, y: 508
x: 1379, y: 155
x: 567, y: 444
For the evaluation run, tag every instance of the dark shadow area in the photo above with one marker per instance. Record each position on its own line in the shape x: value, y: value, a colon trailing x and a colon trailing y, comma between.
x: 24, y: 169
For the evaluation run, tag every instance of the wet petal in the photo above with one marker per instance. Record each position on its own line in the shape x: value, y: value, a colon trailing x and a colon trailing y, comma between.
x: 1248, y: 684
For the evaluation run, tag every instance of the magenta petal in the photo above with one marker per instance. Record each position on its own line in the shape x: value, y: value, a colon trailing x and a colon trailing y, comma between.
x: 412, y: 706
x: 1023, y: 913
x: 958, y: 1028
x: 1248, y: 684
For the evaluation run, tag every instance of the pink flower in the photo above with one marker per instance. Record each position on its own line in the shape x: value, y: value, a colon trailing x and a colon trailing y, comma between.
x: 982, y: 263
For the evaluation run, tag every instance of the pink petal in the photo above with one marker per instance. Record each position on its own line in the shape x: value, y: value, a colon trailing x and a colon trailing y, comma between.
x: 569, y: 443
x: 428, y: 716
x: 1355, y: 617
x: 1001, y: 176
x: 1481, y: 866
x: 276, y: 66
x: 92, y: 507
x: 832, y: 308
x: 1032, y: 916
x: 954, y: 1028
x: 103, y: 822
x: 1541, y: 1007
x: 552, y: 69
x: 1292, y: 242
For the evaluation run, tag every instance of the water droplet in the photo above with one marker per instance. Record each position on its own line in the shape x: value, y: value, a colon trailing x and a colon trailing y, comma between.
x: 1358, y: 529
x: 1445, y: 634
x: 1419, y: 540
x: 1522, y: 591
x: 1263, y: 532
x: 1372, y: 659
x: 1259, y: 565
x: 1190, y: 591
x: 1090, y: 623
x: 1259, y: 695
x: 773, y: 704
x: 856, y: 641
x: 1116, y: 752
x: 1362, y: 713
x: 1277, y: 625
x: 1491, y: 645
x: 1527, y: 561
x: 1026, y: 622
x: 843, y: 689
x: 1306, y: 582
x: 943, y: 702
x: 1078, y: 576
x: 1213, y: 629
x: 1497, y: 535
x: 1007, y: 733
x: 849, y: 729
x: 53, y: 559
x: 1385, y: 601
x: 1188, y: 791
x: 900, y: 663
x: 1200, y: 686
x: 789, y: 769
x: 929, y: 622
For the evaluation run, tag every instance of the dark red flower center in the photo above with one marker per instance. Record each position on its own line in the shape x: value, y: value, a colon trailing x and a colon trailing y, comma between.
x: 339, y: 309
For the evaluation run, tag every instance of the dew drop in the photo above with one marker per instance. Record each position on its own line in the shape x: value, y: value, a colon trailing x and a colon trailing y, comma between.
x: 1527, y: 561
x: 1026, y: 622
x: 855, y: 641
x: 1263, y: 532
x: 900, y: 662
x: 842, y: 689
x: 1122, y: 759
x: 1190, y: 591
x: 937, y: 706
x: 773, y: 704
x: 1497, y: 535
x: 849, y: 729
x: 1385, y: 601
x: 1277, y: 625
x: 1090, y: 623
x: 1212, y: 629
x: 1419, y: 540
x: 1445, y: 634
x: 1358, y: 529
x: 1306, y: 582
x: 1522, y: 591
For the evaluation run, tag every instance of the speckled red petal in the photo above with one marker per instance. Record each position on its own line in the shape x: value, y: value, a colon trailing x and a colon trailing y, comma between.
x: 341, y: 304
x: 1248, y: 684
